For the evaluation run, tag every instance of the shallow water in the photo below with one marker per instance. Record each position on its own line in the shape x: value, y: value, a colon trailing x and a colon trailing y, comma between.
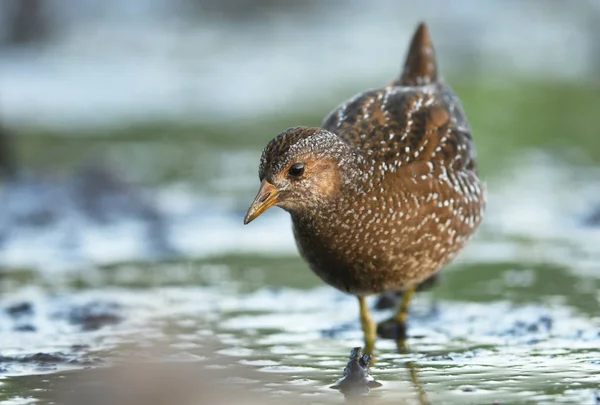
x: 165, y: 273
x: 513, y: 321
x: 471, y: 339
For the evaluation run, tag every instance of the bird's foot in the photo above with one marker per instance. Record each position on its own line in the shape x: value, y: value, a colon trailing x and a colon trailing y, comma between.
x: 395, y: 330
x: 392, y: 329
x: 356, y: 380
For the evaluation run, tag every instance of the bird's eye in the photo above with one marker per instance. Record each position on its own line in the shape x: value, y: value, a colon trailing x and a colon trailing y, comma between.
x: 296, y: 170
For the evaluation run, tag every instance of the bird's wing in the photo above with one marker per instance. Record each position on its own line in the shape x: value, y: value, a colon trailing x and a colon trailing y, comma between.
x: 399, y: 125
x: 416, y: 118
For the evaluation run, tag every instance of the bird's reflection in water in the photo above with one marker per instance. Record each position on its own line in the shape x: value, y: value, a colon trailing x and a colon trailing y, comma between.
x: 414, y: 377
x: 356, y: 383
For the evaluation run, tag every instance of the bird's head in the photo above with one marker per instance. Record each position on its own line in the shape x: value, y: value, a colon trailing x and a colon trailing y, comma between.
x: 301, y: 169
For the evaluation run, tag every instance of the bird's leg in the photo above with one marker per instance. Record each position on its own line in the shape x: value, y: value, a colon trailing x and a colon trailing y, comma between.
x: 401, y: 318
x: 368, y: 326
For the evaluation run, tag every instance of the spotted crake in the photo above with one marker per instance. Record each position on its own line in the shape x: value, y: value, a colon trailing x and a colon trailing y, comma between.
x: 386, y: 191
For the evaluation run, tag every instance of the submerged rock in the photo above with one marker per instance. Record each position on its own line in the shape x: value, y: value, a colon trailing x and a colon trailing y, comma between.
x: 95, y: 315
x: 20, y: 309
x: 45, y: 361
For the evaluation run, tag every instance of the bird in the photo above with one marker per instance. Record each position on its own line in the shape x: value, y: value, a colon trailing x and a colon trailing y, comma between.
x: 386, y: 192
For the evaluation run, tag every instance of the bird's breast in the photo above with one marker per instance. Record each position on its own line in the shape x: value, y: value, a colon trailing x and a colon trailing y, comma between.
x: 382, y: 240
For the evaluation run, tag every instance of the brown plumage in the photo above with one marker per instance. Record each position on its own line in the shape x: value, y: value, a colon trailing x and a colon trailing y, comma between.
x: 386, y: 191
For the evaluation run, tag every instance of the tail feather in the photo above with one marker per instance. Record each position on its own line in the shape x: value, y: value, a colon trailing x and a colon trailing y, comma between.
x: 420, y: 67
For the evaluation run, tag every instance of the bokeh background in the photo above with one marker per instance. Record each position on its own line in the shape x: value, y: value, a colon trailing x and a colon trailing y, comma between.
x: 130, y: 138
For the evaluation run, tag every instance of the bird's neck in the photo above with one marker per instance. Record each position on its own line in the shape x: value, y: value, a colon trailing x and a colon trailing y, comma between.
x: 355, y: 174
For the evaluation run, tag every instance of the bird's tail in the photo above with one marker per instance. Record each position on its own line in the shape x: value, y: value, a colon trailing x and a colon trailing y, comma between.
x: 420, y: 67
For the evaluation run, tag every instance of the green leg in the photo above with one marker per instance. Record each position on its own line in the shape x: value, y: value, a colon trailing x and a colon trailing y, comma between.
x: 368, y: 326
x: 401, y: 318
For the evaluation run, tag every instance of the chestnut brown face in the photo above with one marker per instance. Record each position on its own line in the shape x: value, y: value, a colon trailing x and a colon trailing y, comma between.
x: 302, y: 169
x: 304, y: 183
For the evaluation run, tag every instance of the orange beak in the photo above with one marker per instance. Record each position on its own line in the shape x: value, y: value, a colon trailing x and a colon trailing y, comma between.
x: 267, y: 197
